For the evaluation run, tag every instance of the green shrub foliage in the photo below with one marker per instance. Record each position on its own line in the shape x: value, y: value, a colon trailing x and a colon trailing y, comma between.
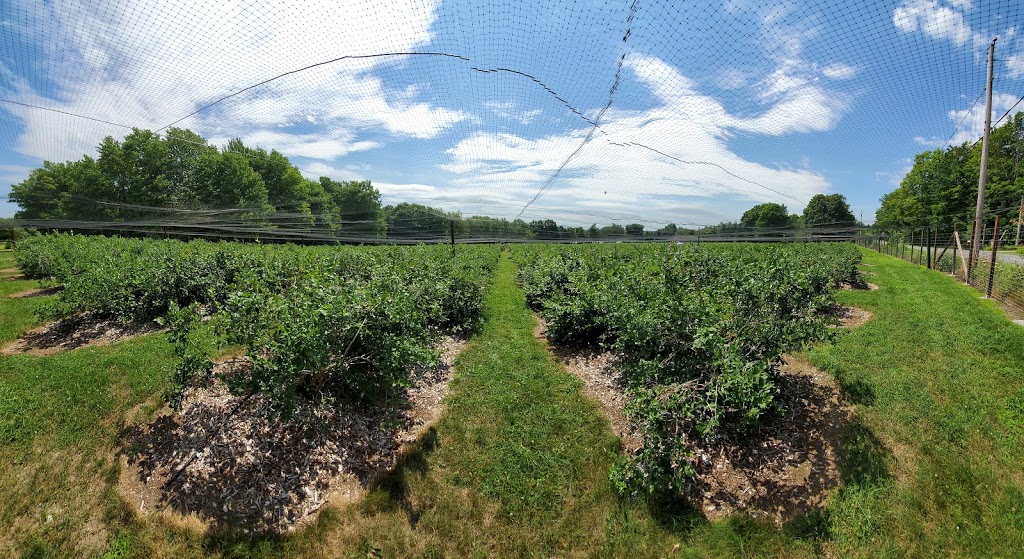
x: 700, y: 331
x: 334, y: 324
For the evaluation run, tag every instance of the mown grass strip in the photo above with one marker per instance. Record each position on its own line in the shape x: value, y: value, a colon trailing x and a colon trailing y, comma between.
x: 517, y: 467
x: 937, y: 377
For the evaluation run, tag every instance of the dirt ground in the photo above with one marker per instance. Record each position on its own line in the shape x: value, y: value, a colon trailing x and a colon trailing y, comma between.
x: 41, y: 292
x: 75, y: 332
x: 786, y: 469
x: 223, y: 460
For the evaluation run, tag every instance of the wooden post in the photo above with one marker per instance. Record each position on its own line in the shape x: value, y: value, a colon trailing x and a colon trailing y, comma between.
x: 992, y: 264
x: 970, y: 257
x: 963, y: 261
x: 920, y: 255
x: 928, y: 247
x: 1020, y: 218
x: 979, y: 212
x: 939, y: 256
x: 935, y: 259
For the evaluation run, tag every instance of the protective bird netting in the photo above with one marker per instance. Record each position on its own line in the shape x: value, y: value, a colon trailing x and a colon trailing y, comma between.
x: 576, y: 113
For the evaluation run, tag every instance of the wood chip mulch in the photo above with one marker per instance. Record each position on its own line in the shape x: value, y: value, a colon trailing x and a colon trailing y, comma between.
x: 75, y: 332
x: 252, y: 471
x: 786, y: 469
x: 41, y: 292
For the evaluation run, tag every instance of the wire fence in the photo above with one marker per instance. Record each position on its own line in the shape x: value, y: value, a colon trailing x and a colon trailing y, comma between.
x: 996, y: 270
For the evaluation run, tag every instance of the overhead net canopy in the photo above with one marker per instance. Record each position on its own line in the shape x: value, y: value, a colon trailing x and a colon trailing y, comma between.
x: 649, y: 112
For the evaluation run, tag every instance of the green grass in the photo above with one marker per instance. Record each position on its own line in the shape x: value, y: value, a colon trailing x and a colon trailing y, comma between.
x: 938, y: 379
x: 518, y: 466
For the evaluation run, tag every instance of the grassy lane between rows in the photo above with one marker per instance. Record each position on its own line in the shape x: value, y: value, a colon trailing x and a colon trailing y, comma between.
x: 18, y: 314
x: 518, y: 467
x: 934, y: 464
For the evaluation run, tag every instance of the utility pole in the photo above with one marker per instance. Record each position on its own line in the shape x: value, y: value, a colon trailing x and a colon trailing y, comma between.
x: 979, y: 213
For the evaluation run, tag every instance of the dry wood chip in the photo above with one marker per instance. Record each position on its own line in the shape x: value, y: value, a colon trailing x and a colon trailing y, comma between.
x: 256, y: 472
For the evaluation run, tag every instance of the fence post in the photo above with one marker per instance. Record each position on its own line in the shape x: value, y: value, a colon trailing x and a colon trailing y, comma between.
x: 992, y: 264
x: 970, y: 255
x: 928, y: 247
x: 951, y: 240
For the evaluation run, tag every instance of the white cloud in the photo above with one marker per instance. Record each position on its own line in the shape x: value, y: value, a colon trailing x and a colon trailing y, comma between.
x: 1015, y: 65
x: 313, y: 146
x: 732, y: 79
x: 974, y: 123
x: 509, y: 110
x: 615, y: 175
x: 147, y: 63
x: 936, y: 21
x: 839, y: 71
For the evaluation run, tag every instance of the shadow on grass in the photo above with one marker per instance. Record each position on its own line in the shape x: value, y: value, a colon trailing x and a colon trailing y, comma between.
x: 671, y: 512
x: 389, y: 491
x: 864, y: 459
x: 858, y: 392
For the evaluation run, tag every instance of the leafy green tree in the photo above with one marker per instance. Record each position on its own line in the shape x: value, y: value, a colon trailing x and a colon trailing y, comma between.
x: 766, y: 215
x: 828, y: 209
x: 635, y: 229
x: 229, y: 182
x: 667, y: 231
x: 544, y: 229
x: 359, y: 206
x: 613, y: 230
x: 416, y: 221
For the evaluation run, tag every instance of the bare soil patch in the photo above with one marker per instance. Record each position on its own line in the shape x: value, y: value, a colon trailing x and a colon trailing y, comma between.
x: 40, y: 292
x: 223, y: 460
x: 75, y: 332
x: 10, y: 271
x: 786, y: 469
x: 850, y: 317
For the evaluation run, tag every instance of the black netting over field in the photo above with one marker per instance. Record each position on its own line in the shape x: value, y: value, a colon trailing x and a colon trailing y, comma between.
x: 490, y: 120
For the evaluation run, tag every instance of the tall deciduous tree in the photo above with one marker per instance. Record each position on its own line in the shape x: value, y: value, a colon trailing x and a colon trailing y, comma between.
x: 766, y: 215
x: 828, y: 209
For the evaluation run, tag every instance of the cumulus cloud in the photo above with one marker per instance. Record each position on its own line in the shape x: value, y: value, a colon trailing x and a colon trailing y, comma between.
x: 937, y: 21
x: 973, y: 120
x: 839, y: 71
x: 510, y: 110
x: 148, y: 63
x: 1015, y: 65
x: 662, y: 160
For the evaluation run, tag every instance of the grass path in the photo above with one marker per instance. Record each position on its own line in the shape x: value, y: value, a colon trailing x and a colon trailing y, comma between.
x: 518, y: 467
x: 518, y: 464
x: 933, y: 461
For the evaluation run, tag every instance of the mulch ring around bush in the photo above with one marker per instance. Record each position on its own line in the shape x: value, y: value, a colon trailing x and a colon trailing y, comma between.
x: 39, y: 292
x: 75, y: 332
x: 227, y: 461
x: 786, y: 469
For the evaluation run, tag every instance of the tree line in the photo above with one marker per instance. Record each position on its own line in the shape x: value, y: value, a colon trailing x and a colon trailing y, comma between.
x: 941, y: 188
x: 180, y: 180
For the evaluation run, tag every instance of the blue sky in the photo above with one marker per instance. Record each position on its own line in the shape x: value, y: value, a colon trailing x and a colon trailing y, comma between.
x: 718, y: 105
